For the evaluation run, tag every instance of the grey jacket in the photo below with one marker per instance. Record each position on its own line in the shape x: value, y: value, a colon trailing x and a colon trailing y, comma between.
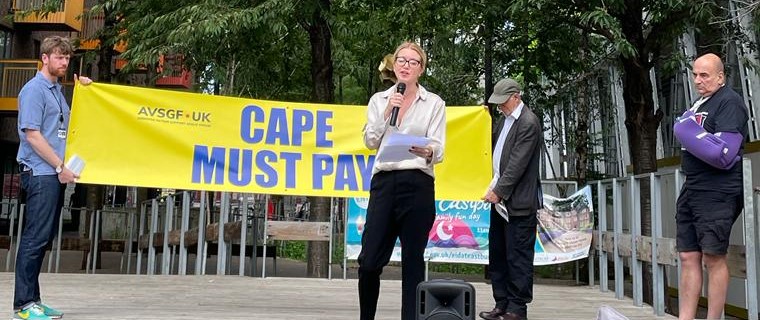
x: 519, y: 182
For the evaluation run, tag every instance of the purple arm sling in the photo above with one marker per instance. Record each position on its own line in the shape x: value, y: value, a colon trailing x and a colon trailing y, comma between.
x: 720, y: 150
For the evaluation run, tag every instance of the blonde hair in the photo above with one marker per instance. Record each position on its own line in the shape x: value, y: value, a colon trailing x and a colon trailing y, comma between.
x: 56, y: 44
x: 416, y: 48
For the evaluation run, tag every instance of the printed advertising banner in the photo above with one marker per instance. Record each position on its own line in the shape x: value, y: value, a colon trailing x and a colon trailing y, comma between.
x: 167, y: 139
x: 460, y: 231
x: 565, y: 227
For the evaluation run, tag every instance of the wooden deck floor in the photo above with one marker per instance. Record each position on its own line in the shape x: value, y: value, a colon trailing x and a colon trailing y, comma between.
x: 107, y: 296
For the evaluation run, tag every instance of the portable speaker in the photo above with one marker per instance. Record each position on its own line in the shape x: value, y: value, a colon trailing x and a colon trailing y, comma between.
x: 445, y: 300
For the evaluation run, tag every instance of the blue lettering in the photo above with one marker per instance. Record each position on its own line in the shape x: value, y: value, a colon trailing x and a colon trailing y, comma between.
x: 302, y: 121
x: 344, y: 173
x: 322, y: 166
x: 278, y: 127
x: 212, y: 166
x: 365, y: 169
x: 237, y: 176
x: 246, y: 125
x: 269, y: 177
x: 290, y: 167
x: 323, y: 128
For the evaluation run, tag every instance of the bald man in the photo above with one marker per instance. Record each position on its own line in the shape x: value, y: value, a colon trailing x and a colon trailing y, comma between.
x: 712, y: 134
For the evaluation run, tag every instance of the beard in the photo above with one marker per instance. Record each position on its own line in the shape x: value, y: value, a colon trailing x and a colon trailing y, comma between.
x: 58, y: 72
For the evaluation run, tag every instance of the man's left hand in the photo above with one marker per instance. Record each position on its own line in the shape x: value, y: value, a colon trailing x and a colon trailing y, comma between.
x: 83, y: 80
x: 491, y: 197
x: 67, y: 176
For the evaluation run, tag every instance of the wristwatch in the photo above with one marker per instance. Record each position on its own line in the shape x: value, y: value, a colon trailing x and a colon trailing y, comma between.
x: 59, y: 168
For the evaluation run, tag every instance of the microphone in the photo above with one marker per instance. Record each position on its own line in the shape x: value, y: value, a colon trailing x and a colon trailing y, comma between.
x: 400, y: 88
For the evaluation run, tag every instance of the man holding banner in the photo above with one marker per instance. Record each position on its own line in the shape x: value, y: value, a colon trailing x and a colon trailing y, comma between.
x: 402, y: 191
x: 515, y: 194
x: 43, y: 119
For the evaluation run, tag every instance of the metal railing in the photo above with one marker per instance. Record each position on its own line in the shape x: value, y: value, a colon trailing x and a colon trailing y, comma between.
x: 14, y: 74
x: 625, y: 244
x: 176, y: 222
x: 65, y: 16
x: 33, y: 4
x: 91, y: 25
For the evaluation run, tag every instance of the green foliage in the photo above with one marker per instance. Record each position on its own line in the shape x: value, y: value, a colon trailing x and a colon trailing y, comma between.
x: 366, y: 31
x: 43, y: 10
x: 263, y: 49
x: 295, y: 250
x: 456, y: 268
x: 564, y: 271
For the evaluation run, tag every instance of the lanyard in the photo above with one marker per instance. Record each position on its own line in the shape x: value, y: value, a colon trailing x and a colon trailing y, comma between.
x: 60, y: 106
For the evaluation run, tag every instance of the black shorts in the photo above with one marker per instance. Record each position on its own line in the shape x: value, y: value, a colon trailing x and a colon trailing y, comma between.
x: 704, y: 220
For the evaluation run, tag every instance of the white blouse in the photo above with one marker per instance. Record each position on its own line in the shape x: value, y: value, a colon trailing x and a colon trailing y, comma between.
x: 426, y: 117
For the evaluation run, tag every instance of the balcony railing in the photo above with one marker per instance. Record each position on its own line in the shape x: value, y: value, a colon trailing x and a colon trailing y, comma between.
x: 173, y: 73
x: 90, y: 27
x: 66, y: 18
x: 121, y: 63
x: 14, y: 74
x: 88, y: 36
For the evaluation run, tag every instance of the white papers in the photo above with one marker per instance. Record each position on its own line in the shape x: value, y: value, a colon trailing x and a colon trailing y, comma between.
x: 501, y: 209
x: 75, y: 164
x: 396, y: 147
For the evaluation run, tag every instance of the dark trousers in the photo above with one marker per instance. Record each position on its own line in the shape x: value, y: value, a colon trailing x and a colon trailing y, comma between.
x: 44, y: 199
x: 511, y: 247
x: 401, y: 204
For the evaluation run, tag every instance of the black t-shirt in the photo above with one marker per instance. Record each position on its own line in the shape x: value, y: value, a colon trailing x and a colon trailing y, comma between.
x: 723, y: 112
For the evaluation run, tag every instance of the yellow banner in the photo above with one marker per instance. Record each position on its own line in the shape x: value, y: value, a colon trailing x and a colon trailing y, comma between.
x: 165, y: 139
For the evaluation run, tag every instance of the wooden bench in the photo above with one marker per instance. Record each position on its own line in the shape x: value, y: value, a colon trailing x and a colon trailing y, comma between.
x: 295, y: 231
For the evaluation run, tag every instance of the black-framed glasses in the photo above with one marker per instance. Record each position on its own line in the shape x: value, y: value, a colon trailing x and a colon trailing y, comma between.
x: 401, y: 61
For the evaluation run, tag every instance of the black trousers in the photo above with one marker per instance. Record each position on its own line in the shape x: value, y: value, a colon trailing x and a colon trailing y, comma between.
x: 511, y: 247
x: 401, y: 205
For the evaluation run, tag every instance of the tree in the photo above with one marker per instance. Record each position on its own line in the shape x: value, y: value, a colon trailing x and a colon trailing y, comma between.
x: 236, y: 47
x: 314, y: 21
x: 638, y: 30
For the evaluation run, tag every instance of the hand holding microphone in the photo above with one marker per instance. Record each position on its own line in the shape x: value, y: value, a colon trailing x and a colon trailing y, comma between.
x: 400, y: 88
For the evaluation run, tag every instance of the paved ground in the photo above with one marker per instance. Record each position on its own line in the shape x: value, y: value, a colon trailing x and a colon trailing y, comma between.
x: 110, y: 295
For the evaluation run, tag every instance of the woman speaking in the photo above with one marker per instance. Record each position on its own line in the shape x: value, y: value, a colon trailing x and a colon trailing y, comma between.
x: 402, y: 192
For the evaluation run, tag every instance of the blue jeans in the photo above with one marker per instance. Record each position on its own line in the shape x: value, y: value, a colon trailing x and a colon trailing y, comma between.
x: 44, y: 199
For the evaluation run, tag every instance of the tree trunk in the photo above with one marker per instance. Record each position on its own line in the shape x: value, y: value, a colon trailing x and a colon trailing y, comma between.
x: 581, y: 119
x: 105, y: 57
x: 95, y: 192
x: 105, y: 51
x: 323, y: 90
x: 94, y: 202
x: 641, y: 123
x: 641, y: 120
x: 317, y: 254
x: 583, y: 141
x: 488, y: 63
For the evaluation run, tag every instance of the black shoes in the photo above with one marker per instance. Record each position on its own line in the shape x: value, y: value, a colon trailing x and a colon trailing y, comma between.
x: 498, y: 314
x: 511, y: 316
x: 494, y: 314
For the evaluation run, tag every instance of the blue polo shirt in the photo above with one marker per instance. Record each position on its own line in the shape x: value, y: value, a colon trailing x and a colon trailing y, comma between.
x: 42, y: 107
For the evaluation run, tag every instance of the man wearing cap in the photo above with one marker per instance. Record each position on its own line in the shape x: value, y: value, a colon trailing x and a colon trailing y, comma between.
x: 515, y: 194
